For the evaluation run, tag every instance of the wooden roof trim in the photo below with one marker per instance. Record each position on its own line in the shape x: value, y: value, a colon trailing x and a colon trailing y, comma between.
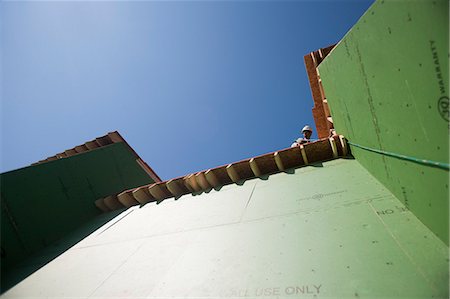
x: 270, y: 163
x: 320, y: 111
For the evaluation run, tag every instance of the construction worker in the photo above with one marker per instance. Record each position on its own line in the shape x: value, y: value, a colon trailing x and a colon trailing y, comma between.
x: 307, y: 132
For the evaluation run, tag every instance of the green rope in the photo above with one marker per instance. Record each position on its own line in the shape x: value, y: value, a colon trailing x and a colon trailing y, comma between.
x: 440, y: 165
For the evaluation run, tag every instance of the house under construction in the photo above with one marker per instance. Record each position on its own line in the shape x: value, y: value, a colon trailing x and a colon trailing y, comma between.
x: 361, y: 213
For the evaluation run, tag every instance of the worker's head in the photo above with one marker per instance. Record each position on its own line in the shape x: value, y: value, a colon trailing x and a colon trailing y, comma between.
x: 307, y: 132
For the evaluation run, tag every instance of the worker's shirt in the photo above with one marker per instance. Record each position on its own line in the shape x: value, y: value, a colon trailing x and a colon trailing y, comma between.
x: 299, y: 141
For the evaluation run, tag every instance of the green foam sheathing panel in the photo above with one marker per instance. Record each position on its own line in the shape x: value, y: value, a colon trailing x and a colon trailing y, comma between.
x: 325, y: 231
x: 28, y: 266
x: 387, y: 86
x: 42, y: 203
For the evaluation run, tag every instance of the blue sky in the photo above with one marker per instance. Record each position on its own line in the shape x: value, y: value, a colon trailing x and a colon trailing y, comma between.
x: 190, y: 85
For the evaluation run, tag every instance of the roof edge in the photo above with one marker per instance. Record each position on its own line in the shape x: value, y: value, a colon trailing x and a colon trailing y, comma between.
x: 322, y: 150
x: 110, y: 138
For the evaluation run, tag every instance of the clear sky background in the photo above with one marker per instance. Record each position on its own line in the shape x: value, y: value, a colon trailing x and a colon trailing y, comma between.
x: 189, y: 85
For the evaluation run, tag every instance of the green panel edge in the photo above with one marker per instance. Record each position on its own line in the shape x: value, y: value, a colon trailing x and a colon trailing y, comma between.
x: 387, y: 86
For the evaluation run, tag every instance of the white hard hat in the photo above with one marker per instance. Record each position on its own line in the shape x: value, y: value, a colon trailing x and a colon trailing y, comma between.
x: 307, y: 128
